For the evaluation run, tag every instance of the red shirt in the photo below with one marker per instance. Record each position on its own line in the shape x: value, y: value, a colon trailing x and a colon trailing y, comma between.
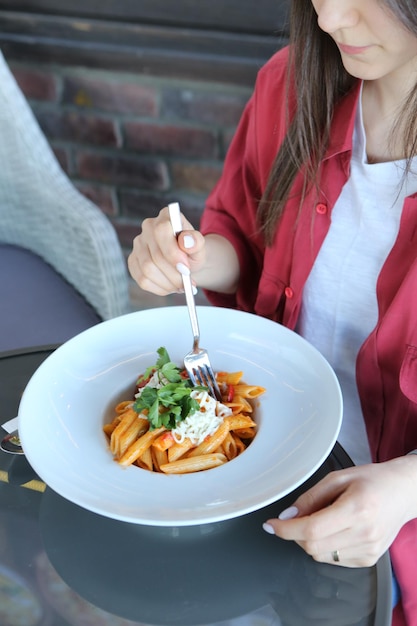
x: 272, y: 279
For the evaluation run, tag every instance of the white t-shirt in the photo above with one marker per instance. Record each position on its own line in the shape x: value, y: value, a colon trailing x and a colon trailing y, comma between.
x: 339, y: 308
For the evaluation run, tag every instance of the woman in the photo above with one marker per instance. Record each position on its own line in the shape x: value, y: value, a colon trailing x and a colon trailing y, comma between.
x: 314, y: 224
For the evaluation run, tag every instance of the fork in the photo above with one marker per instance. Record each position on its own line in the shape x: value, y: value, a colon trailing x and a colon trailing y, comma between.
x: 196, y: 362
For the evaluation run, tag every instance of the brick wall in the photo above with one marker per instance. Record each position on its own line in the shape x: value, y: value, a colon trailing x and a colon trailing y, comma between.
x: 132, y: 142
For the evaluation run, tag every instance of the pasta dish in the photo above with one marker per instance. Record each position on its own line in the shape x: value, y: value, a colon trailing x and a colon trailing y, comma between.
x: 173, y: 427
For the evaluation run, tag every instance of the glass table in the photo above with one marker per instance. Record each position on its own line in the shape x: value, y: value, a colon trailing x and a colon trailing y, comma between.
x: 61, y: 565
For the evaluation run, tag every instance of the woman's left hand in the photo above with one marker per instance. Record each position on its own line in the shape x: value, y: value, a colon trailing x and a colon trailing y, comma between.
x: 353, y: 514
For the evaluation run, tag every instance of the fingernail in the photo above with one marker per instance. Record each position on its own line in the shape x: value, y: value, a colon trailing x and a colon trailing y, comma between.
x: 289, y: 513
x: 188, y: 241
x: 268, y: 528
x: 183, y: 269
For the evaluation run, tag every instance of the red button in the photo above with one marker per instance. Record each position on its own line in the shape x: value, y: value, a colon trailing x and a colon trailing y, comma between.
x: 288, y: 292
x: 321, y: 208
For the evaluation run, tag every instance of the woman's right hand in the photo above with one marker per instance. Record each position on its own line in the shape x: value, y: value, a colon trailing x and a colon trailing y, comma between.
x: 158, y: 256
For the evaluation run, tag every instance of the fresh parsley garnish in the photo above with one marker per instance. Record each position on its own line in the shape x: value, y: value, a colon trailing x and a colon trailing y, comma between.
x: 171, y: 402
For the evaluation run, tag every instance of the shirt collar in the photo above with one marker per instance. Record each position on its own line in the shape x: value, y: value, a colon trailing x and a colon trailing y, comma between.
x: 341, y: 135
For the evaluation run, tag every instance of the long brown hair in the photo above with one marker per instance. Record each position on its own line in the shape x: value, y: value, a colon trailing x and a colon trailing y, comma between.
x: 319, y: 80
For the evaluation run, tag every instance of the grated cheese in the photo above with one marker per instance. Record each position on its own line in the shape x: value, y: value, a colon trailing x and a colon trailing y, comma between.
x: 156, y: 381
x: 202, y: 423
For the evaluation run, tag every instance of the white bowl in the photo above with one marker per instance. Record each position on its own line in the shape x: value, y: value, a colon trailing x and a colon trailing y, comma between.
x: 72, y: 393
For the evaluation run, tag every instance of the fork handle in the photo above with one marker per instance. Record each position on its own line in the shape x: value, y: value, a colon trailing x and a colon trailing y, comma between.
x: 189, y: 298
x: 175, y: 218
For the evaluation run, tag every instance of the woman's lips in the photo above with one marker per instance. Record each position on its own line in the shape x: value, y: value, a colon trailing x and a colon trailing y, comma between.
x: 352, y: 49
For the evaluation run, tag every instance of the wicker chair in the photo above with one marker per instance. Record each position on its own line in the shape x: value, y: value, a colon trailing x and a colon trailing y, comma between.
x: 42, y: 213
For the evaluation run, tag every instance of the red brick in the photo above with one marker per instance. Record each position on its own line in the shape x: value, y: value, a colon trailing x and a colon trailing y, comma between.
x: 195, y: 176
x: 210, y: 108
x: 77, y: 127
x: 137, y: 205
x: 126, y: 232
x: 103, y: 197
x: 112, y: 95
x: 193, y: 210
x: 122, y: 170
x: 131, y: 145
x: 36, y: 85
x: 171, y: 140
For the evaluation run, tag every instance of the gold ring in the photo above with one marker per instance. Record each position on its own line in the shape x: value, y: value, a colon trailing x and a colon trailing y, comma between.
x: 336, y: 556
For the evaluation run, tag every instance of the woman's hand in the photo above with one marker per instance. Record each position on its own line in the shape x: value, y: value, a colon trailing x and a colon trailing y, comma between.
x: 353, y: 514
x: 158, y: 258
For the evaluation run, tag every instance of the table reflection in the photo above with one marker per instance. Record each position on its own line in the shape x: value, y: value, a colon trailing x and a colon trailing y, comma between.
x: 207, y: 574
x: 61, y: 565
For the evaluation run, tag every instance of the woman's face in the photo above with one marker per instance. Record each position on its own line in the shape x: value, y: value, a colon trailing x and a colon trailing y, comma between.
x: 372, y: 42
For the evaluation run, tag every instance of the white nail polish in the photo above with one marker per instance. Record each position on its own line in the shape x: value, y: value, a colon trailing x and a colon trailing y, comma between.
x: 195, y: 290
x: 188, y: 241
x: 183, y: 269
x: 268, y: 528
x: 289, y: 513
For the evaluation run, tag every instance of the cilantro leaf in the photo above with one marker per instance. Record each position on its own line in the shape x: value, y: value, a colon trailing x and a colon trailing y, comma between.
x: 171, y: 372
x: 172, y: 401
x: 163, y: 358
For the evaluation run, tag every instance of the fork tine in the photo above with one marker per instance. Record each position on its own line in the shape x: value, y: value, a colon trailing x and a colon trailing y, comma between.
x: 206, y: 378
x: 212, y: 383
x: 199, y: 375
x: 203, y: 375
x: 192, y: 376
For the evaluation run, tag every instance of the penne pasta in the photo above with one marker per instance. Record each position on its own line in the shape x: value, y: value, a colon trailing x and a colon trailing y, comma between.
x: 240, y: 421
x: 248, y: 391
x: 230, y: 378
x: 126, y: 419
x: 145, y: 461
x: 164, y: 441
x: 148, y: 432
x: 240, y: 446
x: 109, y: 428
x: 211, y: 443
x: 159, y: 457
x: 139, y: 446
x: 229, y: 446
x: 179, y: 449
x: 122, y: 406
x: 245, y: 433
x: 194, y: 464
x: 239, y: 405
x: 135, y: 430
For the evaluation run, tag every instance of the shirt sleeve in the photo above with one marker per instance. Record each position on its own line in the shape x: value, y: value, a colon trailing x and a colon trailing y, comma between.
x: 231, y: 208
x: 231, y: 212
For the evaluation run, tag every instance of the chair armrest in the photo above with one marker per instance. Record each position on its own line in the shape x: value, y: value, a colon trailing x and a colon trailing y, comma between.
x: 41, y: 210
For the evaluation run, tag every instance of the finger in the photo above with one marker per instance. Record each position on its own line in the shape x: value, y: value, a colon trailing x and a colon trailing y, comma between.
x: 191, y: 242
x: 321, y: 511
x: 155, y: 257
x: 162, y: 265
x: 150, y: 270
x: 361, y: 555
x: 149, y: 277
x: 311, y: 528
x: 351, y: 546
x: 323, y: 493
